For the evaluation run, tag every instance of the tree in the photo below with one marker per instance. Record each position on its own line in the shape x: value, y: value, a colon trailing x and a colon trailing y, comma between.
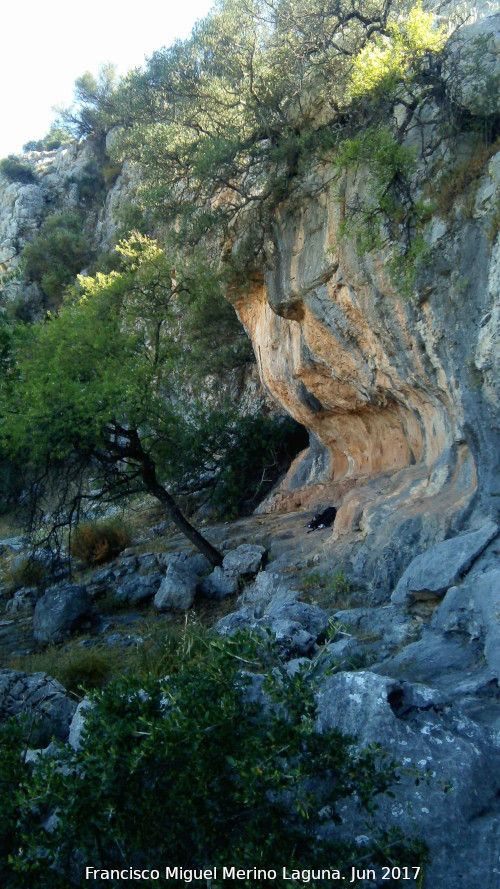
x: 94, y: 404
x: 94, y: 110
x: 225, y: 122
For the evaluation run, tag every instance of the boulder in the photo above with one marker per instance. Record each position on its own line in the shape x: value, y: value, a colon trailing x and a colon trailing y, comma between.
x: 432, y: 573
x: 473, y: 609
x: 59, y: 612
x: 138, y: 588
x: 42, y: 699
x: 78, y: 723
x: 295, y: 626
x: 245, y: 560
x: 241, y: 563
x: 460, y: 827
x: 177, y: 589
x: 219, y: 584
x: 23, y: 600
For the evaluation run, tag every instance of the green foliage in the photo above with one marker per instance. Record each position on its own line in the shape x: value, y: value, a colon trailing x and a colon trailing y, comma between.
x: 194, y: 772
x: 56, y: 137
x: 55, y: 256
x: 16, y: 171
x: 28, y: 572
x: 329, y: 589
x: 93, y: 111
x: 259, y: 450
x: 227, y: 122
x: 387, y: 64
x: 75, y: 666
x: 98, y: 542
x: 95, y: 391
x: 14, y: 774
x: 214, y: 339
x: 90, y: 184
x: 387, y: 209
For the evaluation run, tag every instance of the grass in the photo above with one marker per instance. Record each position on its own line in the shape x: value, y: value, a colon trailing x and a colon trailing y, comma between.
x: 328, y: 590
x: 73, y: 665
x: 168, y: 641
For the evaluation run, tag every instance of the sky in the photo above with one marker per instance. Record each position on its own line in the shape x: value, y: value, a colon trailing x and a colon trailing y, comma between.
x: 46, y: 46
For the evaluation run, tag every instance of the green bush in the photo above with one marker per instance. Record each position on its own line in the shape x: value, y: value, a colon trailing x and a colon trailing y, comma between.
x: 56, y: 137
x: 15, y: 171
x: 260, y: 450
x: 14, y: 774
x: 57, y: 254
x: 91, y: 184
x: 98, y: 542
x: 29, y: 572
x: 192, y: 772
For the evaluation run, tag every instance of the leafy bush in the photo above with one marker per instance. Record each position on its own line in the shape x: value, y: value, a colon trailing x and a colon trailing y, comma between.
x: 29, y: 572
x: 199, y: 771
x: 14, y: 773
x: 56, y: 137
x: 98, y: 542
x: 73, y: 665
x: 15, y: 171
x: 58, y: 252
x: 329, y: 589
x: 260, y: 450
x: 91, y: 184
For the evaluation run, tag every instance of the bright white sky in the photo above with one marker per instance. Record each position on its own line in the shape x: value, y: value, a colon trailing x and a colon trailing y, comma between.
x: 47, y: 45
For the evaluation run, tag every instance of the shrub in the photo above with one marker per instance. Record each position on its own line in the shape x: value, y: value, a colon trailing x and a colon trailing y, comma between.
x: 15, y: 171
x: 193, y: 772
x: 329, y: 590
x: 261, y: 450
x: 14, y: 772
x: 56, y: 137
x: 91, y: 184
x: 58, y: 252
x: 29, y: 572
x: 98, y: 542
x: 73, y: 665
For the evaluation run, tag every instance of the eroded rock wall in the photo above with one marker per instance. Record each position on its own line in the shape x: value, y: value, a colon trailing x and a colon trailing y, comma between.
x: 400, y: 393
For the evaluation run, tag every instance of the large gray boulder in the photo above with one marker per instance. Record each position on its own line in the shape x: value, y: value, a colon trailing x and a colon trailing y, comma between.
x: 455, y: 810
x: 220, y: 584
x: 240, y: 564
x: 60, y: 611
x: 177, y: 589
x: 473, y: 609
x: 245, y: 560
x: 138, y: 588
x: 432, y: 573
x: 42, y: 699
x: 295, y: 626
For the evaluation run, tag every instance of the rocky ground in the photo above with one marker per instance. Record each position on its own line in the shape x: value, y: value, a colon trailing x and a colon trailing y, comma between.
x: 415, y: 669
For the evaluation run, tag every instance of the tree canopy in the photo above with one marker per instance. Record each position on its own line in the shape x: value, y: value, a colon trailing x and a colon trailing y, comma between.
x: 222, y: 123
x: 95, y: 391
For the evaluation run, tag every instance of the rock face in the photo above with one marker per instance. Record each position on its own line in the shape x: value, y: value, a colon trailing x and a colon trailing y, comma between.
x: 400, y: 391
x: 436, y: 570
x: 57, y: 174
x: 40, y: 698
x: 177, y: 589
x: 460, y: 826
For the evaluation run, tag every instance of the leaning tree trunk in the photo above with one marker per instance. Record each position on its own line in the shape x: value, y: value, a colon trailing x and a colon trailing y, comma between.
x: 157, y: 490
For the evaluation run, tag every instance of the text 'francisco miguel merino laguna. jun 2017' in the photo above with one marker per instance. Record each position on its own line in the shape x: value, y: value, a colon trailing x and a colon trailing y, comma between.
x: 220, y: 874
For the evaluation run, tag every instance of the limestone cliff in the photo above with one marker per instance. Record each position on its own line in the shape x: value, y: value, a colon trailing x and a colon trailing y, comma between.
x: 400, y: 392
